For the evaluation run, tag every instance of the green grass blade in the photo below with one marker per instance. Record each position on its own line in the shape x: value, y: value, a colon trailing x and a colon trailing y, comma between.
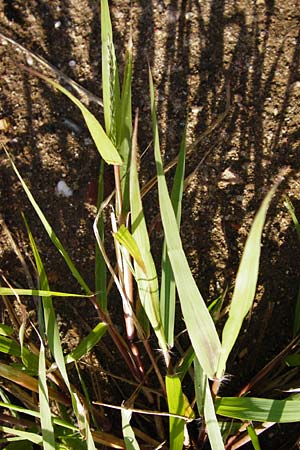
x: 124, y: 129
x: 100, y: 266
x: 50, y: 231
x: 29, y: 382
x: 292, y: 360
x: 103, y: 144
x: 110, y: 77
x: 128, y: 433
x: 200, y: 386
x: 12, y: 348
x: 199, y: 323
x: 253, y: 436
x: 167, y: 288
x: 37, y: 415
x: 37, y: 292
x: 32, y: 437
x: 259, y: 409
x: 212, y: 425
x: 54, y: 343
x: 177, y: 404
x: 245, y: 284
x: 87, y: 343
x: 83, y: 422
x: 6, y: 330
x: 288, y: 204
x: 46, y: 420
x: 125, y: 238
x: 206, y: 407
x: 185, y: 363
x: 51, y: 327
x: 147, y: 282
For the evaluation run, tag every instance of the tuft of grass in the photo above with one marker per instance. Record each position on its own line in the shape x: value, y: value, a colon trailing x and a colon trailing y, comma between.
x: 68, y: 416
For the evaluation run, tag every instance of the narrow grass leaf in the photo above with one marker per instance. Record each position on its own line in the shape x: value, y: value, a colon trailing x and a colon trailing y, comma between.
x: 87, y: 343
x: 124, y: 128
x: 32, y: 437
x: 36, y: 414
x: 199, y: 323
x: 185, y: 362
x: 110, y: 77
x: 245, y: 284
x: 177, y: 404
x: 54, y: 343
x: 6, y: 330
x: 83, y: 422
x: 200, y: 383
x: 51, y: 327
x: 10, y: 347
x: 167, y: 287
x: 50, y: 231
x: 46, y: 420
x: 103, y: 144
x: 212, y: 425
x: 37, y: 292
x: 125, y: 238
x: 206, y: 407
x: 147, y: 282
x: 292, y: 360
x: 128, y: 433
x: 291, y: 210
x: 100, y: 266
x: 29, y: 382
x: 259, y: 409
x: 253, y: 436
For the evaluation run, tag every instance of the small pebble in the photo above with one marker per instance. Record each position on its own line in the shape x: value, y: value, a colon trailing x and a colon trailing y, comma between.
x: 63, y: 190
x: 29, y: 60
x: 72, y: 63
x: 57, y: 24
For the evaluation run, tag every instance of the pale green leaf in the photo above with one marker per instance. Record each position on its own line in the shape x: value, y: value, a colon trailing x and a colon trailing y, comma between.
x: 100, y: 266
x: 50, y: 231
x: 212, y: 425
x: 125, y: 238
x: 37, y: 292
x: 87, y: 343
x: 32, y: 437
x: 128, y: 433
x: 110, y: 77
x: 46, y: 420
x: 167, y: 288
x: 245, y: 284
x: 147, y: 282
x: 177, y: 404
x: 10, y: 347
x: 199, y: 323
x: 259, y: 409
x: 124, y: 128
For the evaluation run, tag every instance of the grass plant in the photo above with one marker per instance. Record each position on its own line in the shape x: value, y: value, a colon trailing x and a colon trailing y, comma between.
x: 67, y: 416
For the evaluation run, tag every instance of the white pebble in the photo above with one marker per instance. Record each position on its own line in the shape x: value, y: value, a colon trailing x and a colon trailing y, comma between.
x: 57, y: 24
x: 63, y: 190
x: 72, y: 63
x: 29, y: 60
